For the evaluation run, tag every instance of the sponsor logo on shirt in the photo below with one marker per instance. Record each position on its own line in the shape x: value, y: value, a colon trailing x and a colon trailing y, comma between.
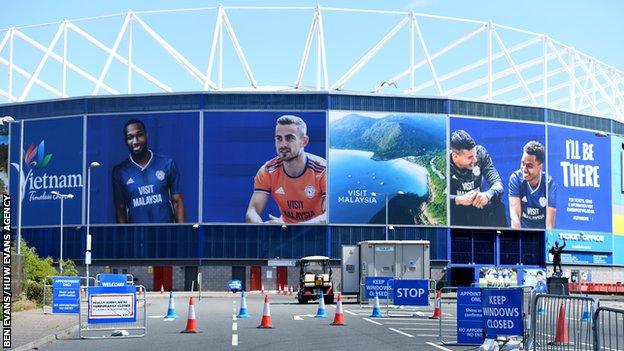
x: 280, y: 191
x: 130, y: 181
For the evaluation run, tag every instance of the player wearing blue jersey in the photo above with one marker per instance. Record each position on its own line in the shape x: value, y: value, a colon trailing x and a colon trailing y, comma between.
x: 146, y: 186
x: 529, y: 207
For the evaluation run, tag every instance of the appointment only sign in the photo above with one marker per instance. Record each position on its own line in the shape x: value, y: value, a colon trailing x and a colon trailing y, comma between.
x: 112, y: 304
x: 502, y: 312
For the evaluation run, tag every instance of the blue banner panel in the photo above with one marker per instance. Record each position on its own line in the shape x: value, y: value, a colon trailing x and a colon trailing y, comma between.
x: 378, y: 286
x: 116, y: 304
x: 617, y: 188
x: 502, y: 312
x: 149, y: 169
x: 486, y: 163
x: 382, y: 158
x: 52, y: 162
x: 469, y: 316
x: 579, y: 241
x: 586, y: 258
x: 66, y: 295
x: 241, y: 159
x: 109, y: 280
x: 580, y: 163
x: 411, y: 292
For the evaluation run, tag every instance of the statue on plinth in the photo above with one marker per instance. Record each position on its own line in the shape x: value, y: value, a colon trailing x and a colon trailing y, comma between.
x: 556, y: 252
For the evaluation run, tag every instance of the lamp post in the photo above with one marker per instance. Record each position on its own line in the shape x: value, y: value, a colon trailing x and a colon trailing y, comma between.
x: 386, y: 197
x: 8, y: 120
x: 93, y: 164
x: 61, y: 197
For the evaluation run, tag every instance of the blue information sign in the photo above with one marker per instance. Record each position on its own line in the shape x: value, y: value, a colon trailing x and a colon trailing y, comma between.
x: 411, y: 292
x: 109, y: 280
x: 114, y: 304
x: 502, y: 312
x: 235, y: 285
x: 377, y: 286
x: 469, y: 316
x: 66, y: 295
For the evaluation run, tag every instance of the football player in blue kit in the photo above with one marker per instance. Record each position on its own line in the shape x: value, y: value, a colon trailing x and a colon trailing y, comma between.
x: 528, y: 205
x: 146, y: 186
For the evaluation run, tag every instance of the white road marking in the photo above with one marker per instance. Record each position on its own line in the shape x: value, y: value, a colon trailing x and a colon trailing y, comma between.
x: 400, y: 332
x: 234, y: 339
x: 438, y: 346
x: 298, y: 317
x: 428, y: 335
x: 422, y: 329
x: 155, y: 316
x: 372, y: 321
x: 234, y: 326
x: 351, y: 313
x: 233, y: 317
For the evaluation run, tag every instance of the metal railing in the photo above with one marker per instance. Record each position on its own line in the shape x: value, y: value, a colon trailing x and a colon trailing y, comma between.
x: 608, y: 328
x: 562, y: 322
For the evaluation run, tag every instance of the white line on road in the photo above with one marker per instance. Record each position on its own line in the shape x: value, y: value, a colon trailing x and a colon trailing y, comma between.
x: 351, y: 313
x: 400, y: 332
x: 233, y: 317
x: 372, y: 321
x: 438, y: 346
x: 422, y: 329
x: 234, y: 339
x: 155, y: 316
x: 428, y: 335
x: 234, y: 326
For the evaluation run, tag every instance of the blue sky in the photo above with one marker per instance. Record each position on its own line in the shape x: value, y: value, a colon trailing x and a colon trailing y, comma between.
x: 593, y: 27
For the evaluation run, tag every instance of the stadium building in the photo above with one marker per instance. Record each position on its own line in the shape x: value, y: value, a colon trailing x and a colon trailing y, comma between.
x: 439, y: 151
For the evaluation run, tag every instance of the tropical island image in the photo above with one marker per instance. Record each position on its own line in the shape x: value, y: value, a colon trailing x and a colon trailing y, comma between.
x: 398, y: 157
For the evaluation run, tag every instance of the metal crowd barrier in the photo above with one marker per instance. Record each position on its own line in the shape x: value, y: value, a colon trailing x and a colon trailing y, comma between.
x: 561, y: 322
x: 608, y: 329
x: 136, y: 329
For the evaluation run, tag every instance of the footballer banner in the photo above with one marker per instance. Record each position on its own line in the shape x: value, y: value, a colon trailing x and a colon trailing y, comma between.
x: 149, y: 167
x: 498, y: 175
x: 51, y: 163
x: 264, y: 167
x: 387, y: 158
x: 580, y: 164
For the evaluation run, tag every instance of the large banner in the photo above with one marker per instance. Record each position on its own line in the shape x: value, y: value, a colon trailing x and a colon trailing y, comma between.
x: 580, y: 163
x: 52, y: 162
x: 580, y: 247
x: 4, y: 159
x: 617, y: 187
x: 498, y: 174
x: 264, y: 167
x: 149, y: 169
x: 379, y: 158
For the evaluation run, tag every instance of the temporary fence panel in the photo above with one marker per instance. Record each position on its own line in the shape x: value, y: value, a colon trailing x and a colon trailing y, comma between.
x: 608, y: 329
x: 561, y: 322
x: 118, y: 329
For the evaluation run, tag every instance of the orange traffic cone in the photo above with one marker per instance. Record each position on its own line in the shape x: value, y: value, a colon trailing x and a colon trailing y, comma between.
x: 292, y: 290
x: 266, y: 323
x: 262, y: 289
x: 286, y: 290
x: 162, y: 289
x: 437, y: 312
x: 561, y: 338
x: 339, y: 317
x: 191, y: 322
x: 279, y: 289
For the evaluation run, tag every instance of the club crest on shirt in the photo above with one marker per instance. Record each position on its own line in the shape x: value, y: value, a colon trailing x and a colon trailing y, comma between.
x: 310, y: 191
x: 542, y: 201
x: 476, y: 171
x: 160, y: 175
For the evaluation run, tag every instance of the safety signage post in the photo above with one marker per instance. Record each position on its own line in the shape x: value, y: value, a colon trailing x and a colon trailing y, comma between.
x: 66, y: 295
x: 411, y: 292
x: 502, y: 312
x: 469, y: 316
x: 377, y: 286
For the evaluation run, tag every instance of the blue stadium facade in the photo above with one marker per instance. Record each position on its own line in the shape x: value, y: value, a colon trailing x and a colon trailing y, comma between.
x: 225, y: 251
